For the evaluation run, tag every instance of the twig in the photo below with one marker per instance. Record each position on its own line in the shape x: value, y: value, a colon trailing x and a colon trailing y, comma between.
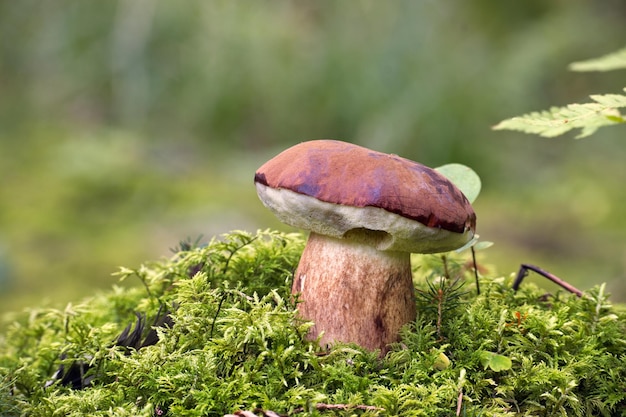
x: 446, y: 272
x: 523, y: 271
x: 235, y: 250
x: 325, y: 407
x: 459, y: 400
x: 241, y: 414
x: 318, y: 407
x: 217, y: 312
x: 440, y: 299
x: 475, y: 270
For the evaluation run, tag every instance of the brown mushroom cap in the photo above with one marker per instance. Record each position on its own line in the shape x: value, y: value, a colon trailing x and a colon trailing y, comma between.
x: 340, y: 189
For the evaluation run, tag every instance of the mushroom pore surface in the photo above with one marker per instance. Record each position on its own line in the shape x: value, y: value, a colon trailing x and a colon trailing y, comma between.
x: 395, y: 232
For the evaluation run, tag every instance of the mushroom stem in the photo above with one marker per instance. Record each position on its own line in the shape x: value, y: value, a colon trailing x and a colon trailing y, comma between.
x: 354, y: 292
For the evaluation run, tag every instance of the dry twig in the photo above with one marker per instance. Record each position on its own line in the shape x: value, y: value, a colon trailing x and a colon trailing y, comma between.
x: 318, y: 406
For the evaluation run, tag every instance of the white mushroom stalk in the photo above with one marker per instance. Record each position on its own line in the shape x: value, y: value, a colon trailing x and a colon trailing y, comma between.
x: 367, y: 212
x: 353, y: 292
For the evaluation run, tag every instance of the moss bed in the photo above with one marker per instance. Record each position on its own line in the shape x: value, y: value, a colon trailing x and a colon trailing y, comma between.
x: 213, y: 331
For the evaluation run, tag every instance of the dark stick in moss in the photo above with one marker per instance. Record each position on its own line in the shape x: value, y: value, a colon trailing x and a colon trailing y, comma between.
x: 79, y: 374
x: 318, y: 407
x: 523, y: 272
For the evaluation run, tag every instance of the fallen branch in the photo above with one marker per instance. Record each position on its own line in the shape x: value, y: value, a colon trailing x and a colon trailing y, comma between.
x: 523, y: 271
x: 325, y: 407
x: 318, y: 407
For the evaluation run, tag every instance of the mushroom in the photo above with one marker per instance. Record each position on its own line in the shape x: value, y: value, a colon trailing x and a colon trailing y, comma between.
x: 367, y: 212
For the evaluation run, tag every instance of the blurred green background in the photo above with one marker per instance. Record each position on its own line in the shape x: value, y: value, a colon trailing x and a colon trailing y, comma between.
x: 126, y: 126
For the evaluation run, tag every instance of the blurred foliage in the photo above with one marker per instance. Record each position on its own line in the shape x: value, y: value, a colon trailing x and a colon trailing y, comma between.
x: 588, y: 117
x: 608, y: 62
x: 128, y: 125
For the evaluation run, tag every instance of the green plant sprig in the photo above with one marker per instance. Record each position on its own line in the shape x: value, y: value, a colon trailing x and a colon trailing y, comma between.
x: 588, y: 117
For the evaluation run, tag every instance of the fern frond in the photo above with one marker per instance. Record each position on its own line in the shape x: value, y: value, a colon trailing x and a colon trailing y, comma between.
x: 588, y: 117
x: 612, y: 61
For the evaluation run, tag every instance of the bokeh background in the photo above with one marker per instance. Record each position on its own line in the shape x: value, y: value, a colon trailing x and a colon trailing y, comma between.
x: 127, y: 126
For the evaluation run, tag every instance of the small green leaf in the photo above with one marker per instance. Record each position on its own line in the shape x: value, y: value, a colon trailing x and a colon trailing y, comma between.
x: 464, y: 178
x: 483, y: 245
x: 475, y: 244
x: 495, y: 361
x: 468, y: 245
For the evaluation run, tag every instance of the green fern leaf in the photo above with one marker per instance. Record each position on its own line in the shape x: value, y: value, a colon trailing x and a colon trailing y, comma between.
x: 612, y: 61
x: 588, y: 117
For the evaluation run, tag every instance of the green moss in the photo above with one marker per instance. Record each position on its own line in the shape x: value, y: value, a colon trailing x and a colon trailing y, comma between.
x: 235, y: 343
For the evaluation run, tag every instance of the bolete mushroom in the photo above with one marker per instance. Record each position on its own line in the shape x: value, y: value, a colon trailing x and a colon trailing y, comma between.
x: 367, y: 212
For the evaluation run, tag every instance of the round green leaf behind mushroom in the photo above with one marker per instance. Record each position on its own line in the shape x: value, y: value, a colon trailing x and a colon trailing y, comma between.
x: 366, y: 211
